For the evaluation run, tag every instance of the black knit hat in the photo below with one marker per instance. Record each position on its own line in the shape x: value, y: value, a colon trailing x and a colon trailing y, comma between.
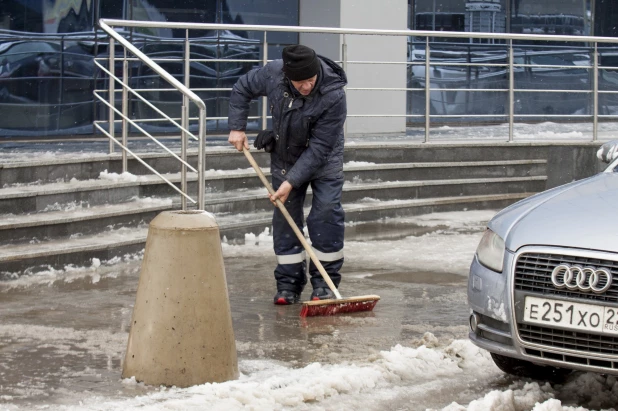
x: 300, y: 62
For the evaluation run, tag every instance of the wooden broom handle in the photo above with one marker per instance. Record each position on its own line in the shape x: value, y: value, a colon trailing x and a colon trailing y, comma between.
x: 288, y: 217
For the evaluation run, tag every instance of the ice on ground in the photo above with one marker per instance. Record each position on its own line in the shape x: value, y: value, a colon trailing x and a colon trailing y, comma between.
x: 422, y: 253
x: 453, y: 219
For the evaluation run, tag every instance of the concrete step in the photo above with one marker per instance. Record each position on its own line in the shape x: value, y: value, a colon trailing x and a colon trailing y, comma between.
x: 402, y: 152
x: 84, y: 166
x: 90, y: 166
x: 444, y: 170
x: 24, y: 259
x: 79, y: 220
x: 86, y: 219
x: 434, y: 189
x: 114, y: 189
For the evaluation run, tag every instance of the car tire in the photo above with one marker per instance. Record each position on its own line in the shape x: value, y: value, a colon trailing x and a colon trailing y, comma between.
x: 522, y: 368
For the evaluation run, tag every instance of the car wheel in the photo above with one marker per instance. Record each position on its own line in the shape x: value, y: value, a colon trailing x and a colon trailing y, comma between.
x: 521, y: 368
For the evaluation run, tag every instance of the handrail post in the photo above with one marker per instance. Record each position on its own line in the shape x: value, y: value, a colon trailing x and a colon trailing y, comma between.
x: 595, y: 93
x: 125, y: 109
x: 427, y: 90
x: 201, y: 189
x: 265, y: 99
x: 344, y: 65
x: 511, y: 90
x: 185, y: 120
x: 112, y: 92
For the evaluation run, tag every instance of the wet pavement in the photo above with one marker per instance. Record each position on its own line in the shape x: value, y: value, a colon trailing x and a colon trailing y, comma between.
x: 63, y: 334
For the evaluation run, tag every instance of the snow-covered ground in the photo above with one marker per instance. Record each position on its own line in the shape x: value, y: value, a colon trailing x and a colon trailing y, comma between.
x: 64, y: 334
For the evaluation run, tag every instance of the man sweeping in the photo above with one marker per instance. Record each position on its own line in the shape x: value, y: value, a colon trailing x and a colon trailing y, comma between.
x: 308, y: 106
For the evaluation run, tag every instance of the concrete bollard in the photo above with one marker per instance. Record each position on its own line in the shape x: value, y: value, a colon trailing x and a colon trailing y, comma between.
x: 181, y: 330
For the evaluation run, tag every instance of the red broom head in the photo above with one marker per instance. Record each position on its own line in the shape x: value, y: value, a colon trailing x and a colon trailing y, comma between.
x: 333, y: 307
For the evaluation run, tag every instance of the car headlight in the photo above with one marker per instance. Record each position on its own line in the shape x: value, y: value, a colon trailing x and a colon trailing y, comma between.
x: 490, y: 251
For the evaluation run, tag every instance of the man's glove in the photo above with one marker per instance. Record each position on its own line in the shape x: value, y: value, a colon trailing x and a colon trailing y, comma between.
x: 265, y: 140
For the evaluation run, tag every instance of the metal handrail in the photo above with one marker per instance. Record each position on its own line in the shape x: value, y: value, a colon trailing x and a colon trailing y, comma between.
x: 338, y: 30
x: 188, y: 95
x: 506, y: 61
x: 510, y: 65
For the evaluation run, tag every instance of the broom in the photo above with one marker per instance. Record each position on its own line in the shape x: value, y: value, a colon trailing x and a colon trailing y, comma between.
x: 339, y: 305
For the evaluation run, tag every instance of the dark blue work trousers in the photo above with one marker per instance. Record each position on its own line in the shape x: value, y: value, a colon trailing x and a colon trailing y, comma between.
x: 325, y: 224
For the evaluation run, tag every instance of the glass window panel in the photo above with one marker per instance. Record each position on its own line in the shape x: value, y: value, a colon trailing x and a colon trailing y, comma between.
x: 112, y: 9
x: 567, y: 17
x: 266, y: 12
x: 67, y: 16
x: 605, y: 18
x: 22, y: 15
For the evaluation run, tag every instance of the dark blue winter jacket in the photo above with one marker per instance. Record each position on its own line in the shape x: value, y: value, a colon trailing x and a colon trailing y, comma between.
x: 308, y: 129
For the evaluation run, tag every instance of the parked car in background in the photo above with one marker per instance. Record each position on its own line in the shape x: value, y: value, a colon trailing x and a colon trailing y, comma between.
x: 543, y: 285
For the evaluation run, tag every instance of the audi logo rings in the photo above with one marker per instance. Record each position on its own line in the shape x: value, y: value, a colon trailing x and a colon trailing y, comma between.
x: 597, y: 280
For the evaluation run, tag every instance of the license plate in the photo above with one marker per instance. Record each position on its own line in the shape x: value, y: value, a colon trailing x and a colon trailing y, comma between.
x: 573, y: 316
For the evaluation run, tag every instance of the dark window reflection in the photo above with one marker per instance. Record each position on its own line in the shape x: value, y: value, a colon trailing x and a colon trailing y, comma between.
x: 555, y: 17
x: 46, y: 82
x: 22, y: 15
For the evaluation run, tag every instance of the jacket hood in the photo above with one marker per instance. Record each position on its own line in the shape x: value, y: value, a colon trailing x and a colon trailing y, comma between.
x: 333, y: 76
x: 583, y: 214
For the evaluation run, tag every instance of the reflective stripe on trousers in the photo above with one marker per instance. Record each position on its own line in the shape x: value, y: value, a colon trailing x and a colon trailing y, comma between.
x: 328, y: 257
x: 291, y: 258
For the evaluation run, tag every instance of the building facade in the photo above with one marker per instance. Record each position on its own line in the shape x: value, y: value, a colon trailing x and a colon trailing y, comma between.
x: 47, y: 47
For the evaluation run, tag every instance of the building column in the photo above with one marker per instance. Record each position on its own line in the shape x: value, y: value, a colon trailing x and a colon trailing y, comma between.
x: 368, y: 14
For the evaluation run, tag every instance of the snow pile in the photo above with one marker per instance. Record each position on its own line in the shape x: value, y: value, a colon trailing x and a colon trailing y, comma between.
x: 549, y: 135
x: 69, y: 273
x: 358, y: 164
x: 123, y: 177
x: 71, y: 206
x: 263, y: 239
x: 608, y: 152
x: 511, y: 400
x: 594, y: 390
x: 265, y: 385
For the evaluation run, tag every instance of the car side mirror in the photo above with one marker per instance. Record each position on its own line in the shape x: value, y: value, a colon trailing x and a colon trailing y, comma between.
x: 608, y: 151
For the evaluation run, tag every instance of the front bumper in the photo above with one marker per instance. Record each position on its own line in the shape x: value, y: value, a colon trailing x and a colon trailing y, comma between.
x: 493, y: 303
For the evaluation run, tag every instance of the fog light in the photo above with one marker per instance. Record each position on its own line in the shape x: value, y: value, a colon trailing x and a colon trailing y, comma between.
x: 474, y: 322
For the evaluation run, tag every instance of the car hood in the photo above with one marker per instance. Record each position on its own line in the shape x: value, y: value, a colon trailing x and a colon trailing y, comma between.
x: 583, y: 214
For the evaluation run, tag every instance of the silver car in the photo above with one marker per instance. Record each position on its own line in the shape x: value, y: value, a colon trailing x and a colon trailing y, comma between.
x: 543, y: 285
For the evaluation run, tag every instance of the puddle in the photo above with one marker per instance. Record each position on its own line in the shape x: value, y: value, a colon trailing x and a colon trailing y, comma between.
x: 422, y: 277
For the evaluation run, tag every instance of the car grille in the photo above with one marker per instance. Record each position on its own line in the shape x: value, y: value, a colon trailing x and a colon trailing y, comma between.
x: 571, y: 340
x: 573, y: 359
x: 533, y: 274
